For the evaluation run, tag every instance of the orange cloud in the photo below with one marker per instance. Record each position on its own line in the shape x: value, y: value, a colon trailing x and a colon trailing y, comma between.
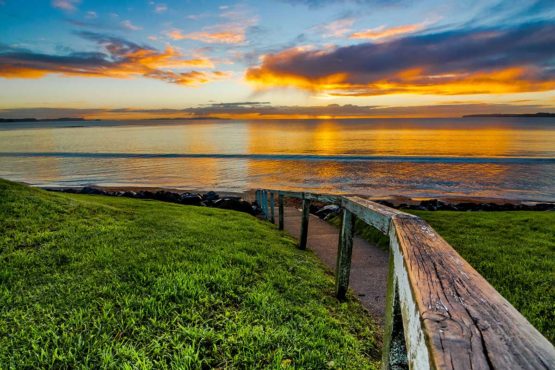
x: 123, y: 59
x: 450, y: 63
x: 382, y: 32
x: 230, y: 34
x: 412, y: 81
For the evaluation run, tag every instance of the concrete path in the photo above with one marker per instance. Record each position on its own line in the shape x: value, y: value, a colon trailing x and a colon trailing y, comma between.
x: 369, y: 263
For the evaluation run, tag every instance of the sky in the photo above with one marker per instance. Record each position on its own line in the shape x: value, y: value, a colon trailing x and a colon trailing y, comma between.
x: 132, y: 59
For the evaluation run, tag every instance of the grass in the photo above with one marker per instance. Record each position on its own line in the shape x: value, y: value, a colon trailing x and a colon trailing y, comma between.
x: 514, y: 251
x: 104, y: 282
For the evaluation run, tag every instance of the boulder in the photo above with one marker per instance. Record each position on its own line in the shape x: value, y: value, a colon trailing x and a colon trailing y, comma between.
x: 91, y: 190
x: 190, y: 199
x: 234, y: 203
x: 210, y: 196
x: 328, y: 210
x: 167, y: 196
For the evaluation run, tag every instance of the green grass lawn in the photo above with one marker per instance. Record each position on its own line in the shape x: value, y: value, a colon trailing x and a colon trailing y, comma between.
x: 514, y: 251
x: 93, y: 281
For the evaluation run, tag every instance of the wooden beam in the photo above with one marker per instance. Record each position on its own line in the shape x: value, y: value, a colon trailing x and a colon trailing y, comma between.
x: 272, y: 217
x: 344, y: 254
x: 374, y: 214
x: 280, y: 210
x: 453, y: 318
x: 304, y: 224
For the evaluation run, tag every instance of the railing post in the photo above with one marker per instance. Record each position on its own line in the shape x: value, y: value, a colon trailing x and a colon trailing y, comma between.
x: 304, y: 223
x: 257, y: 198
x: 394, y: 354
x: 272, y: 218
x: 280, y: 209
x: 265, y: 203
x: 344, y: 254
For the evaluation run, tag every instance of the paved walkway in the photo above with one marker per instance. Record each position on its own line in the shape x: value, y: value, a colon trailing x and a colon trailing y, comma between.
x: 369, y: 263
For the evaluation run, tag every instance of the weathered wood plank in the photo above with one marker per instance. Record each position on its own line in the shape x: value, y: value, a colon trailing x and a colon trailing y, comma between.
x: 464, y: 322
x: 280, y: 210
x: 344, y: 254
x: 304, y: 224
x: 272, y: 215
x: 372, y: 213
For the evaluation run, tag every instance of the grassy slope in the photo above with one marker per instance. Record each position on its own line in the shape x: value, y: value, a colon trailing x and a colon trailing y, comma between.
x: 514, y: 251
x: 91, y: 281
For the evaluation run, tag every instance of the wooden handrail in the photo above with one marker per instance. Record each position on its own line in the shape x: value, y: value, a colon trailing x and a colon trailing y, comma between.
x: 441, y: 313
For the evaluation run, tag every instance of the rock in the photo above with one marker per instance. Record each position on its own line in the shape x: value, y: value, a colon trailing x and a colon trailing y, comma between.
x: 386, y: 203
x: 210, y: 196
x: 234, y: 203
x: 129, y: 194
x: 190, y: 199
x: 328, y: 210
x: 143, y: 194
x: 467, y: 206
x: 432, y: 204
x: 545, y: 207
x: 91, y: 190
x: 167, y: 196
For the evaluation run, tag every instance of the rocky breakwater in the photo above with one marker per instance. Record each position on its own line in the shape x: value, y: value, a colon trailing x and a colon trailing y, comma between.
x: 209, y: 199
x: 326, y: 211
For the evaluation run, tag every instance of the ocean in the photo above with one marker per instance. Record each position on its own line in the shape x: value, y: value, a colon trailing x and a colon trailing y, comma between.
x: 509, y: 158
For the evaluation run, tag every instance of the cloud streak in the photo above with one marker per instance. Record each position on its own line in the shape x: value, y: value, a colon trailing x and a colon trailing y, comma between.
x: 481, y: 61
x: 118, y: 58
x: 67, y: 5
x: 387, y: 32
x: 265, y: 110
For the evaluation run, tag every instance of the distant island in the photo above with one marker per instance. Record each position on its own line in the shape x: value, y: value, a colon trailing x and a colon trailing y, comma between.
x: 539, y: 114
x: 196, y: 118
x: 45, y: 119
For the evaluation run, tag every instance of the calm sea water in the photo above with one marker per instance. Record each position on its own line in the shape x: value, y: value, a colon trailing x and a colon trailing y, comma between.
x: 511, y: 158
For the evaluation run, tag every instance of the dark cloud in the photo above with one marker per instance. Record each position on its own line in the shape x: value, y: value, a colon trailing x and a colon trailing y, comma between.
x: 266, y: 110
x: 520, y: 54
x: 117, y: 58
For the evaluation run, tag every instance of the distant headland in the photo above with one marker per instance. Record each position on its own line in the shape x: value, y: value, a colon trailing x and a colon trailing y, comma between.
x: 539, y: 114
x: 46, y: 119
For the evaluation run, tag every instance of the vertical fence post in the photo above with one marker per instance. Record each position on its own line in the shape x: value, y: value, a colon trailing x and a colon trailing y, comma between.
x: 304, y: 223
x: 272, y: 218
x: 344, y: 254
x: 394, y: 354
x: 280, y: 209
x: 257, y: 198
x: 265, y: 202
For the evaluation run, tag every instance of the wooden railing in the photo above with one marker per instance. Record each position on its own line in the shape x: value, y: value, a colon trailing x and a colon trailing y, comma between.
x: 441, y: 313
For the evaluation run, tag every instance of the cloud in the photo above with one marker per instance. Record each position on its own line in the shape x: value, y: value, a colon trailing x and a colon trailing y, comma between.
x: 118, y: 58
x: 518, y: 59
x: 160, y: 8
x: 264, y: 110
x: 91, y: 15
x: 388, y: 32
x: 221, y: 34
x: 337, y: 28
x: 128, y: 25
x: 67, y: 5
x: 322, y: 3
x: 237, y: 20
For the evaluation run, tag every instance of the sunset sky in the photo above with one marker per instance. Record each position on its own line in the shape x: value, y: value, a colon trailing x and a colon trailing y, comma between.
x: 272, y: 59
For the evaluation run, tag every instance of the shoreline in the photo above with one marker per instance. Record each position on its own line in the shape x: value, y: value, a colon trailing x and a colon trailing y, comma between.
x: 456, y: 203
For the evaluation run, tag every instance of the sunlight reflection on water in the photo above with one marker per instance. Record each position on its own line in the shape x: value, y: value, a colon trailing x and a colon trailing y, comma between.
x: 74, y: 155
